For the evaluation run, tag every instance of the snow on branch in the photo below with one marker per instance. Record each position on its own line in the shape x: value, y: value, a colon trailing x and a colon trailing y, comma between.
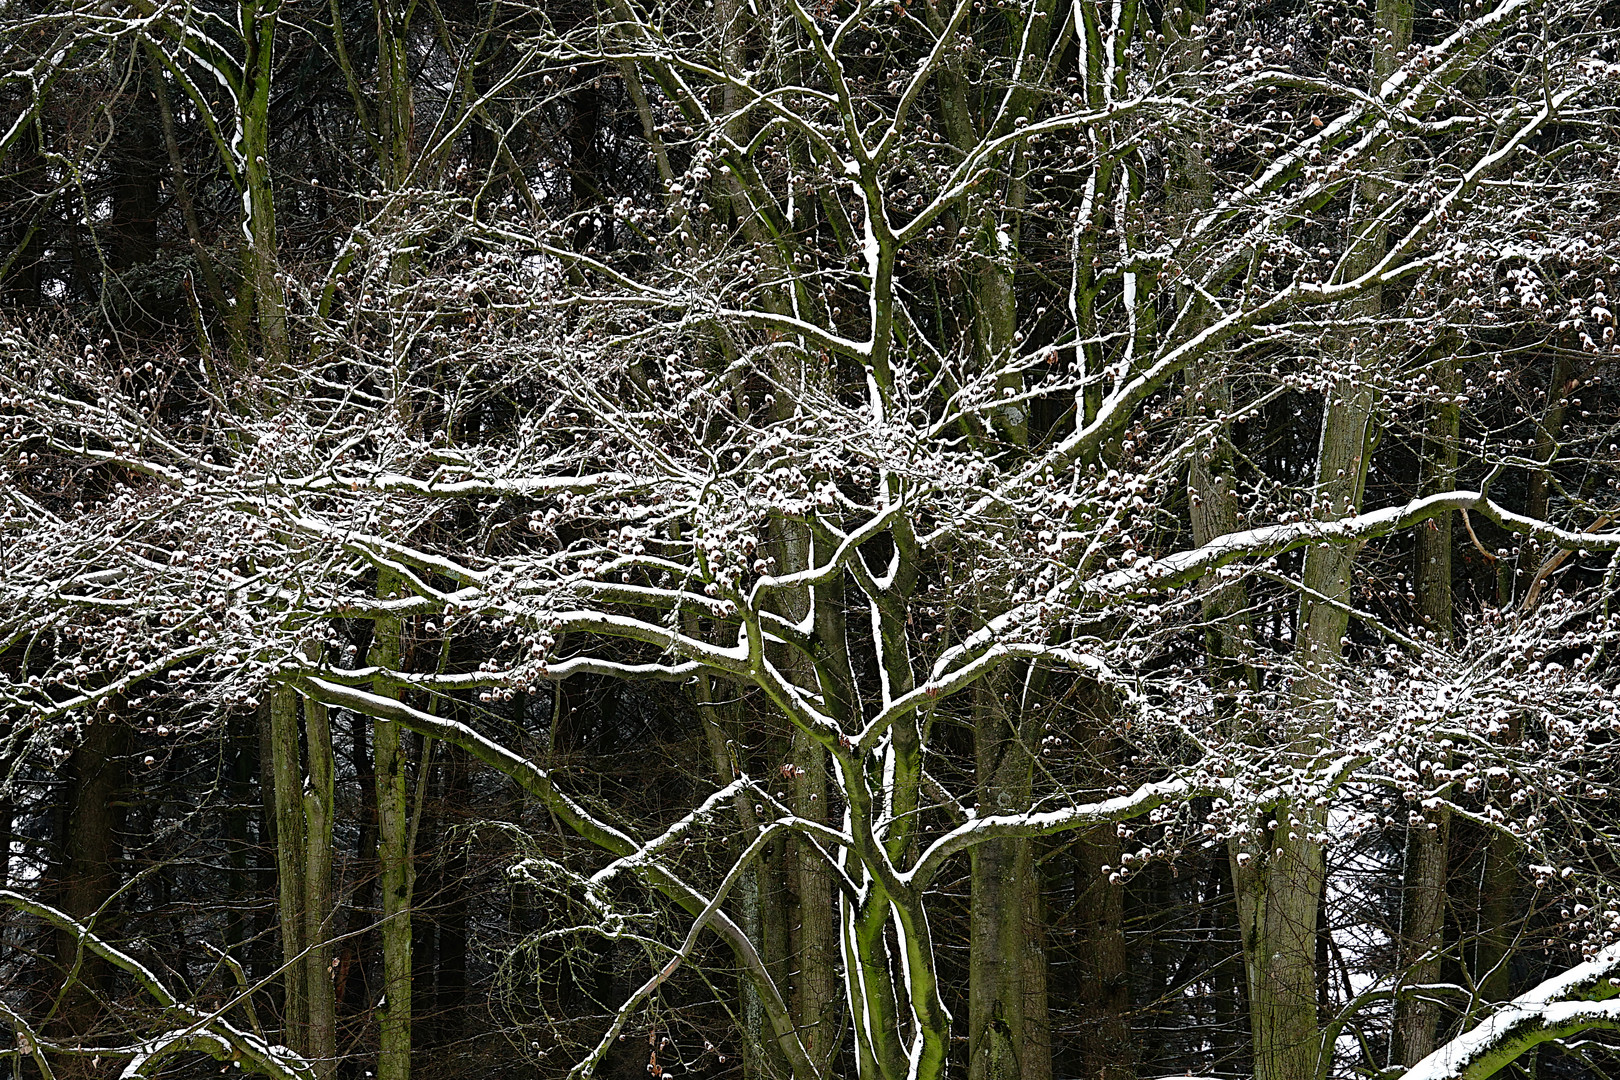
x: 1580, y: 999
x: 1565, y: 1004
x: 398, y: 484
x: 977, y: 830
x: 1269, y: 540
x: 554, y: 672
x: 535, y: 780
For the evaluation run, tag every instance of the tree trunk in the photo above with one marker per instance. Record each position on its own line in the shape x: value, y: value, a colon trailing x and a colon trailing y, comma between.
x: 1417, y: 1015
x: 451, y: 984
x: 303, y: 809
x: 1001, y: 873
x: 1279, y: 890
x: 1037, y: 1058
x: 818, y: 1000
x: 812, y: 945
x: 395, y: 871
x: 393, y: 862
x: 288, y: 814
x: 353, y: 986
x: 1498, y: 912
x: 1431, y: 570
x: 96, y: 779
x: 1538, y: 487
x: 321, y: 1044
x: 1548, y: 432
x: 1278, y: 868
x: 1279, y: 884
x: 1107, y: 1049
x: 1229, y: 1041
x: 1000, y: 1046
x: 396, y: 120
x: 261, y: 271
x: 1423, y: 914
x: 20, y: 277
x: 239, y: 790
x: 396, y: 138
x: 8, y: 817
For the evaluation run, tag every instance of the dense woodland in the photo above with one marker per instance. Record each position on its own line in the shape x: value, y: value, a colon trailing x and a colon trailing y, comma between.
x: 782, y: 539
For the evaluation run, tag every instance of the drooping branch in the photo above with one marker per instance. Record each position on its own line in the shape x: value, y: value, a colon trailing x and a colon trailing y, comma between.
x: 977, y: 830
x: 194, y: 1029
x: 537, y: 782
x: 1268, y: 540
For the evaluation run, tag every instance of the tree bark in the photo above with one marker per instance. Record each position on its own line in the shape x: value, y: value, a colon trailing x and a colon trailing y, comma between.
x: 91, y: 849
x: 1418, y: 1016
x: 1279, y: 867
x: 818, y: 999
x: 1107, y: 1049
x: 393, y: 859
x: 1037, y: 1058
x: 1279, y: 890
x: 396, y: 138
x: 1279, y: 884
x: 353, y: 985
x: 321, y: 1044
x: 1229, y: 1041
x: 240, y: 784
x: 303, y: 810
x: 760, y: 1056
x: 23, y: 208
x: 451, y: 980
x: 1431, y: 569
x: 261, y: 270
x: 1002, y: 1042
x: 812, y: 944
x: 1498, y: 912
x: 288, y: 814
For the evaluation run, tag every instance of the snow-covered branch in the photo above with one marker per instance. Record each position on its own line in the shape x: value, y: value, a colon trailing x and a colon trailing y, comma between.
x: 1268, y: 540
x: 978, y: 830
